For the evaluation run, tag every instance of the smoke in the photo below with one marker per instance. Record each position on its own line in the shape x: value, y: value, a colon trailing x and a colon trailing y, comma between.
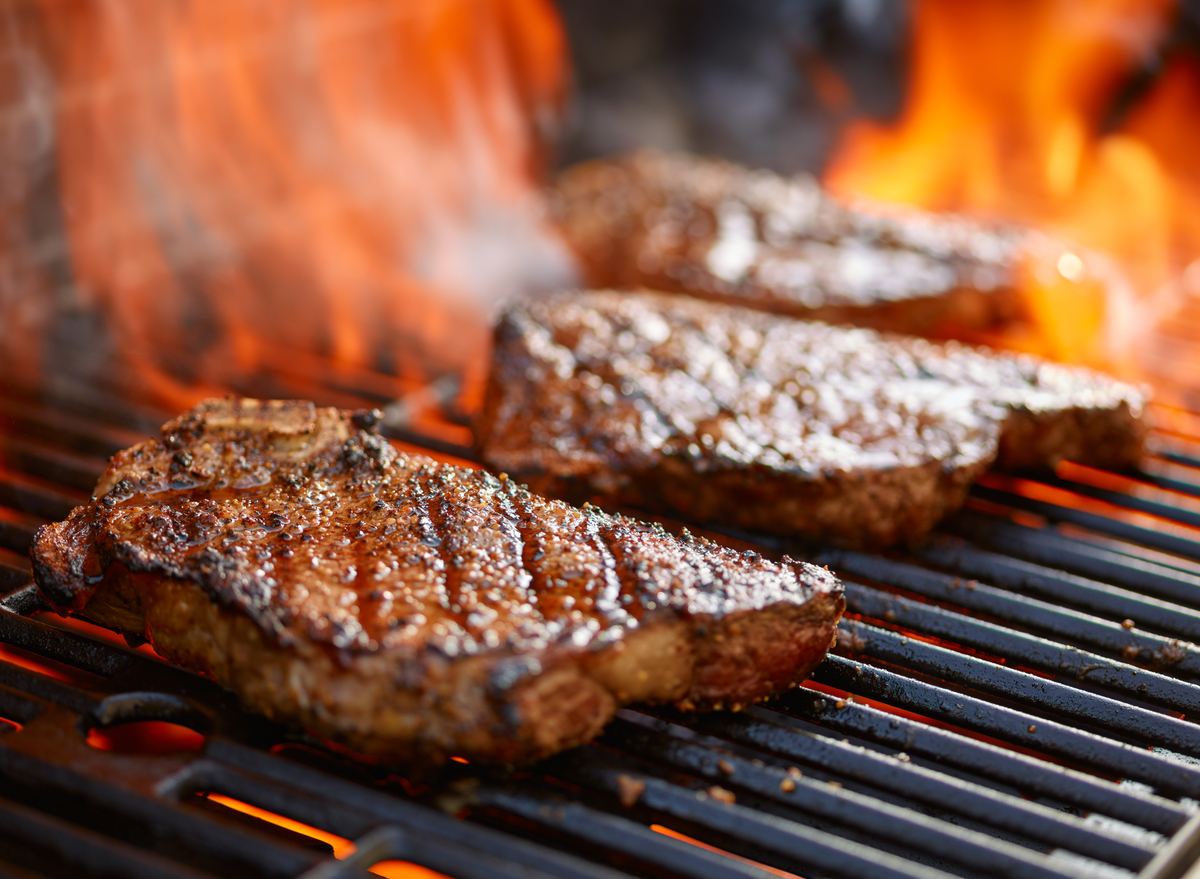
x: 236, y: 185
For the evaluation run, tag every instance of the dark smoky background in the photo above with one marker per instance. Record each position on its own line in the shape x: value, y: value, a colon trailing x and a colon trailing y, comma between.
x: 768, y: 83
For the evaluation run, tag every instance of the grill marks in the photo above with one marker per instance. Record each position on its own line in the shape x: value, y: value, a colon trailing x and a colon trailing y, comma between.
x: 412, y: 608
x: 823, y: 729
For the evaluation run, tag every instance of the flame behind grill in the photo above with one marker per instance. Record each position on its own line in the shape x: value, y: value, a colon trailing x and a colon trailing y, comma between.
x: 209, y: 190
x: 1010, y: 114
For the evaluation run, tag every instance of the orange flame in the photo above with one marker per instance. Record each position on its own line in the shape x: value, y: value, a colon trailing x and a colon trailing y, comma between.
x: 1006, y: 117
x: 244, y: 182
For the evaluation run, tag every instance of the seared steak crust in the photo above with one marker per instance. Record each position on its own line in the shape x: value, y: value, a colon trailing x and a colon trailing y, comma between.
x: 791, y: 427
x: 719, y: 231
x: 411, y: 608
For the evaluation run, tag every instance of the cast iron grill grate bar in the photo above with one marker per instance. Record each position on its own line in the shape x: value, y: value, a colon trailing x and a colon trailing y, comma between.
x: 1110, y: 635
x: 93, y: 852
x: 1116, y: 562
x: 1166, y: 608
x: 1010, y: 725
x: 1128, y: 500
x: 864, y: 812
x: 1123, y: 639
x: 823, y: 851
x: 922, y: 795
x: 1155, y: 475
x: 905, y: 774
x: 772, y: 732
x: 1161, y: 450
x: 1050, y: 656
x: 1168, y: 542
x: 1085, y: 708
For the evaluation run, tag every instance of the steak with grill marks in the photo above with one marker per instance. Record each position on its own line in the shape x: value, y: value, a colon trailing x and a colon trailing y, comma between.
x: 414, y: 609
x: 716, y: 230
x: 735, y: 416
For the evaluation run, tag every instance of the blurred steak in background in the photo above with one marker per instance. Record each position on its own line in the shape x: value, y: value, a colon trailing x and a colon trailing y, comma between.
x: 721, y: 231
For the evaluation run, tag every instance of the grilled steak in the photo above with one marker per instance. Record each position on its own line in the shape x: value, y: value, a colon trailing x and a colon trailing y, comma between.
x: 410, y: 608
x: 730, y: 415
x: 719, y: 231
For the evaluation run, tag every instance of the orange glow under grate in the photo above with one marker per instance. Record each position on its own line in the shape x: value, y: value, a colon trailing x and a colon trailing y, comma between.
x: 675, y: 834
x: 342, y: 847
x: 146, y: 737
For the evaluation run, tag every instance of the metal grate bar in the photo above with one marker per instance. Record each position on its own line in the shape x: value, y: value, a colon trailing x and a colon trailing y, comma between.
x: 46, y: 688
x: 64, y: 646
x: 870, y: 815
x: 1164, y: 482
x: 215, y: 838
x: 1105, y: 560
x: 24, y: 601
x: 1017, y: 727
x: 1037, y: 652
x: 19, y: 706
x: 90, y: 403
x: 763, y: 731
x: 64, y: 468
x: 17, y: 529
x: 1160, y: 561
x: 385, y: 809
x: 908, y: 736
x: 1179, y: 854
x: 89, y: 852
x: 37, y: 497
x: 1063, y: 622
x: 874, y: 818
x: 445, y: 856
x: 1072, y: 589
x: 1114, y: 561
x: 1175, y: 457
x: 447, y: 853
x: 15, y: 570
x: 64, y: 429
x: 1125, y: 500
x: 1103, y: 524
x: 1088, y: 708
x: 821, y: 850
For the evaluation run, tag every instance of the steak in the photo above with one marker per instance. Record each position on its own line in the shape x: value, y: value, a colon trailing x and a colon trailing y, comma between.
x: 734, y: 416
x: 719, y: 231
x: 413, y: 609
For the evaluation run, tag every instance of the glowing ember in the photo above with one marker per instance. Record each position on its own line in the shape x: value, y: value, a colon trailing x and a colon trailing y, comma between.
x: 49, y: 667
x: 675, y: 834
x: 146, y: 737
x: 243, y: 185
x: 1006, y: 117
x: 342, y: 847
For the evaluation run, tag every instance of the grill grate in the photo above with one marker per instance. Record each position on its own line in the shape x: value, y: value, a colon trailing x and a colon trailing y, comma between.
x: 1014, y: 699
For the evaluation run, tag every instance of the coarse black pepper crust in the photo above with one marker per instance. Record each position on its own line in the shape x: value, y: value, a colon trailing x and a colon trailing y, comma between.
x: 731, y: 415
x: 413, y: 609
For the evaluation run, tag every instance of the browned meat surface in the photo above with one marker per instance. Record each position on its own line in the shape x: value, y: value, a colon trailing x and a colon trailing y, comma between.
x: 792, y: 427
x: 414, y: 609
x: 719, y: 231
